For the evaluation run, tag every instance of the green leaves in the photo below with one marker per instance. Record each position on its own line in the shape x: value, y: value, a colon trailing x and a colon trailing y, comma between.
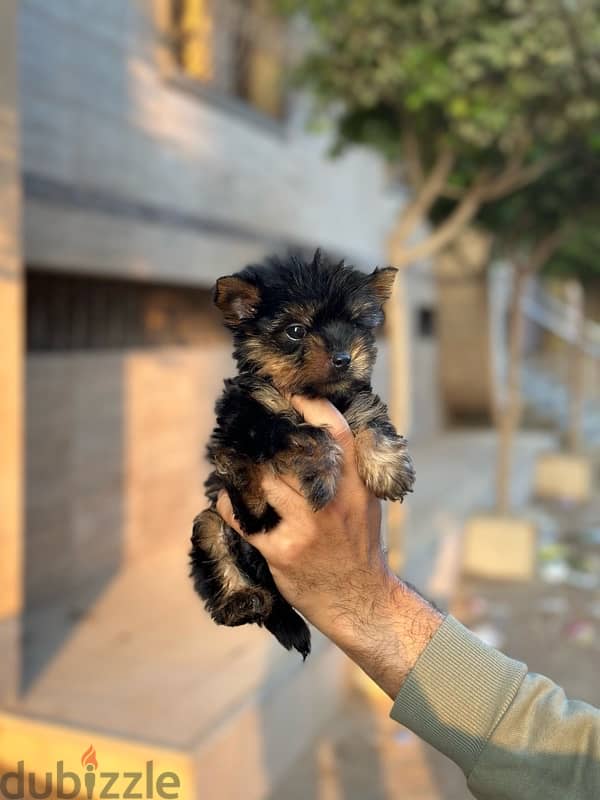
x: 509, y: 88
x: 578, y: 255
x: 484, y: 70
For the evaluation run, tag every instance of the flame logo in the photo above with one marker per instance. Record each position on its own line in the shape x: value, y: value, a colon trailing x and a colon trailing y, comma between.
x: 89, y: 757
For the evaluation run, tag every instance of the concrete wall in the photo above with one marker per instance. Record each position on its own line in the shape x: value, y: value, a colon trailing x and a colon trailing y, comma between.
x: 10, y: 356
x: 425, y: 416
x: 115, y: 453
x: 128, y: 173
x: 465, y: 360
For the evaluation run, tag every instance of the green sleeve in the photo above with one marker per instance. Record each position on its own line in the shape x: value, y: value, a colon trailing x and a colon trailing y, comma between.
x: 515, y: 735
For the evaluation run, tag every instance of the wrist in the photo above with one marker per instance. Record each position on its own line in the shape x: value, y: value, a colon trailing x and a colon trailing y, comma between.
x: 383, y: 627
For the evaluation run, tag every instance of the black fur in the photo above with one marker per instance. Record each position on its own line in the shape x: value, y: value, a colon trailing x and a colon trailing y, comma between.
x: 304, y: 328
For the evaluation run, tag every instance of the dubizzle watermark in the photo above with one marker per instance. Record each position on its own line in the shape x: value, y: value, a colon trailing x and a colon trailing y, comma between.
x: 89, y: 783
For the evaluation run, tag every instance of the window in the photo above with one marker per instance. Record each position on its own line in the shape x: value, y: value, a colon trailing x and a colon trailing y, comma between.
x: 234, y: 47
x: 426, y: 322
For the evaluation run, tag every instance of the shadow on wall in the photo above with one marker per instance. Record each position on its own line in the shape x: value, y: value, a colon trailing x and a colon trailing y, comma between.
x: 120, y: 392
x: 74, y: 497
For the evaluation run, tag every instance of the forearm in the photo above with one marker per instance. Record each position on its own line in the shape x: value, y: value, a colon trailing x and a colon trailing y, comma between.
x: 382, y: 625
x: 514, y: 735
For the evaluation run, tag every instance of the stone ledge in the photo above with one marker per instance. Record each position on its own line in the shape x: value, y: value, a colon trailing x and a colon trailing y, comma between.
x: 499, y: 547
x: 563, y: 476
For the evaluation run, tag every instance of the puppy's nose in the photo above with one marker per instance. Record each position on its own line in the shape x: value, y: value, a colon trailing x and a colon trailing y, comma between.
x: 341, y: 360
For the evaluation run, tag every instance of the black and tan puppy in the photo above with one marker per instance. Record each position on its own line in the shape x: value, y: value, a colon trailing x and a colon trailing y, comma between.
x: 298, y: 328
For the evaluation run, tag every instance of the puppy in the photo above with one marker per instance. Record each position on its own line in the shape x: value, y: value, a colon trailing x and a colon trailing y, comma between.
x: 298, y: 328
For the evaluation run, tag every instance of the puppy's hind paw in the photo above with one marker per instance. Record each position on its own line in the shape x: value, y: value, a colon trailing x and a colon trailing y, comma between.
x: 252, y: 605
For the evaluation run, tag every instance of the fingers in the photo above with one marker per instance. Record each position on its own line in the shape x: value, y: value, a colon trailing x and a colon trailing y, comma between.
x: 284, y: 498
x: 322, y: 413
x: 291, y: 479
x: 281, y: 492
x: 225, y: 511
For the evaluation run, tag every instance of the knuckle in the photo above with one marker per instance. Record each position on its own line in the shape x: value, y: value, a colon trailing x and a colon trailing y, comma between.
x: 289, y: 552
x: 343, y: 435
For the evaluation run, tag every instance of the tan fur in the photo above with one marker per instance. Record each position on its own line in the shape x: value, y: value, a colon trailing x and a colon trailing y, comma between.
x: 317, y: 361
x: 381, y: 462
x: 302, y: 314
x: 213, y: 541
x: 362, y: 360
x: 227, y: 463
x: 381, y: 282
x: 278, y: 367
x: 237, y: 596
x: 270, y: 398
x: 363, y: 412
x: 236, y: 298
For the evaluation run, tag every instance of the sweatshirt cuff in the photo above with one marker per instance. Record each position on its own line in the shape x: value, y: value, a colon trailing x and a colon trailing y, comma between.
x: 457, y: 692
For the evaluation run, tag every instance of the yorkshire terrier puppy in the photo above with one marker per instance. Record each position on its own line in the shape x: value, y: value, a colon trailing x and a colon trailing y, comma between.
x: 298, y: 328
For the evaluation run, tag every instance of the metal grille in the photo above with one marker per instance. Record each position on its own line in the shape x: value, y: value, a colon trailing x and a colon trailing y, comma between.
x: 235, y: 47
x: 72, y: 312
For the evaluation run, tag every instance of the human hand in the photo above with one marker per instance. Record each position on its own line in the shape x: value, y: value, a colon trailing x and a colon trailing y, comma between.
x: 330, y: 565
x: 321, y: 560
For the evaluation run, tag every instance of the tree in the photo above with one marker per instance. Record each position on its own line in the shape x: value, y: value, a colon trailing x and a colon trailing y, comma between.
x: 578, y: 261
x: 470, y: 100
x: 533, y: 228
x: 473, y: 98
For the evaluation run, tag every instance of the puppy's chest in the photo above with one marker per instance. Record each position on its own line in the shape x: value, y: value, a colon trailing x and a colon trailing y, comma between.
x: 253, y: 419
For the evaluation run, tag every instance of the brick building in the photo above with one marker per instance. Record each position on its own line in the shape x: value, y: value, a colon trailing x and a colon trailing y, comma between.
x: 146, y: 147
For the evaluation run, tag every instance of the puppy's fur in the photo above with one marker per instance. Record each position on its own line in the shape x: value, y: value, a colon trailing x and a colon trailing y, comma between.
x: 298, y: 328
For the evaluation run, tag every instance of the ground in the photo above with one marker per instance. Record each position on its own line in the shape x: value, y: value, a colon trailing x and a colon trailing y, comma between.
x: 551, y: 622
x: 120, y: 667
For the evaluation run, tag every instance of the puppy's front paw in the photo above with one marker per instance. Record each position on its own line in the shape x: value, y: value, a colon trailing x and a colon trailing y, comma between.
x: 316, y: 458
x: 384, y: 464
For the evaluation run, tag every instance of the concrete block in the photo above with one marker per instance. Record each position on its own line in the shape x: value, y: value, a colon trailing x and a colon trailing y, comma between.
x: 563, y: 476
x: 10, y: 660
x: 265, y: 735
x: 41, y: 744
x: 499, y: 547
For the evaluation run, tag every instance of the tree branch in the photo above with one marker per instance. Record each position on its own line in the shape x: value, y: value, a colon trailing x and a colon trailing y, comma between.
x: 545, y: 249
x: 444, y: 233
x: 531, y: 263
x: 514, y: 178
x: 415, y: 211
x: 412, y: 158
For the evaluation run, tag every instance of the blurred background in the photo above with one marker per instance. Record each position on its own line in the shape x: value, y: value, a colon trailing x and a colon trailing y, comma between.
x: 148, y: 147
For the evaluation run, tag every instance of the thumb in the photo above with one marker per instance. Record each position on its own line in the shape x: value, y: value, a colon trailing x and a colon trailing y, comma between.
x: 226, y: 512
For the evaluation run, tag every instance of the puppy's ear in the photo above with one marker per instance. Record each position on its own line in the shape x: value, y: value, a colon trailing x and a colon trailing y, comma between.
x: 381, y: 283
x: 237, y: 298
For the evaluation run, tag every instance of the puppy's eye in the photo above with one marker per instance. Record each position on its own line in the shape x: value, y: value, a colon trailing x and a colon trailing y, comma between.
x: 295, y: 332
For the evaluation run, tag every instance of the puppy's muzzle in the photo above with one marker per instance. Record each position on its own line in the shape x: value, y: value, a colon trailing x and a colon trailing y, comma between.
x: 341, y: 361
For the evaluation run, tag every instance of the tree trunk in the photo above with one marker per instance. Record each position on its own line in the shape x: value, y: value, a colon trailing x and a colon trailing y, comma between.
x: 508, y: 414
x: 576, y: 367
x: 509, y: 411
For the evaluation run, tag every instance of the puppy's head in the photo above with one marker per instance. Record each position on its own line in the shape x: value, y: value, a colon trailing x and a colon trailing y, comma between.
x: 307, y: 326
